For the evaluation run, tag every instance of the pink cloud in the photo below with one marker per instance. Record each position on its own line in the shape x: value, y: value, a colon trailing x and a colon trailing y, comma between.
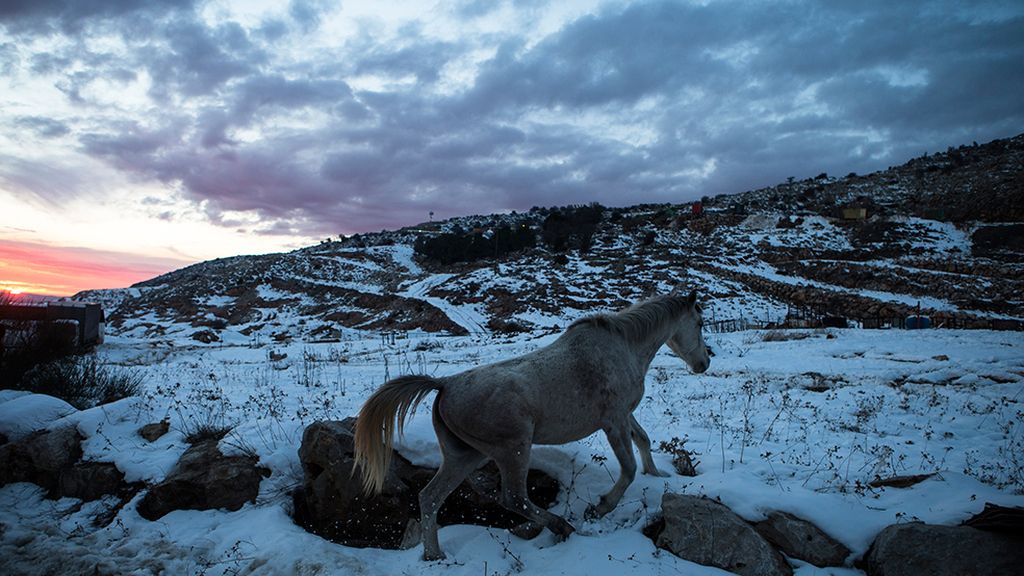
x: 64, y: 270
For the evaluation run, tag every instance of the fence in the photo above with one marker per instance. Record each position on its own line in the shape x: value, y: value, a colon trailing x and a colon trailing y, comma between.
x: 866, y: 322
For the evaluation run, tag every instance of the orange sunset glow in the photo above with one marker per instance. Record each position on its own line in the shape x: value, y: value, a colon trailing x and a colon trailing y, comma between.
x: 37, y: 268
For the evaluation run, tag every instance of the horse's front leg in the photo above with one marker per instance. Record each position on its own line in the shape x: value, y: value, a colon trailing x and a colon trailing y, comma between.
x: 619, y: 438
x: 643, y: 443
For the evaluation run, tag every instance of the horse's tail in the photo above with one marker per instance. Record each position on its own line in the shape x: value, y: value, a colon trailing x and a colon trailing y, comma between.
x: 375, y: 427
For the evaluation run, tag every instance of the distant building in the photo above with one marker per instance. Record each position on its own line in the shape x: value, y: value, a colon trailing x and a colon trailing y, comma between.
x: 854, y: 213
x: 89, y: 317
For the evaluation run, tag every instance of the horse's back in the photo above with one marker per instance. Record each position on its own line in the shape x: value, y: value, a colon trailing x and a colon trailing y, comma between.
x: 559, y: 393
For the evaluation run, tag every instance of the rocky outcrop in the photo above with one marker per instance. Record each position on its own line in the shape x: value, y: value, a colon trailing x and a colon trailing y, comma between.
x: 331, y: 502
x: 800, y: 539
x: 917, y: 548
x: 204, y: 479
x: 706, y: 532
x: 51, y: 459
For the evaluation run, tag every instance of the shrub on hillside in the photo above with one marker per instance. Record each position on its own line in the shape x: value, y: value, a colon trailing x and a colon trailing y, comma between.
x: 82, y: 381
x: 571, y: 227
x: 459, y: 246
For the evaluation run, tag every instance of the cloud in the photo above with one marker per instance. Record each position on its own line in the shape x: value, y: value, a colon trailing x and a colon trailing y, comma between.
x: 71, y: 16
x: 315, y: 131
x: 45, y: 127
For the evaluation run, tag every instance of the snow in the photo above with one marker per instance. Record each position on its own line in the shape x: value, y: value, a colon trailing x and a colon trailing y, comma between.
x: 469, y: 316
x: 799, y: 424
x: 23, y: 414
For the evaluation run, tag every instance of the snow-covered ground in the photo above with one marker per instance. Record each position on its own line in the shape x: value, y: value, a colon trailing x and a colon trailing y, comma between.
x: 798, y: 421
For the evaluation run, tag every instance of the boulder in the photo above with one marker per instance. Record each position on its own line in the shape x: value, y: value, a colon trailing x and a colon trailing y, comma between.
x: 707, y: 532
x: 917, y: 548
x: 40, y: 458
x: 331, y: 502
x: 51, y: 459
x: 800, y: 539
x: 204, y: 479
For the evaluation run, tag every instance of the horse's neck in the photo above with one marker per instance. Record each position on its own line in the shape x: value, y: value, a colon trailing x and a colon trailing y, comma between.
x: 655, y: 339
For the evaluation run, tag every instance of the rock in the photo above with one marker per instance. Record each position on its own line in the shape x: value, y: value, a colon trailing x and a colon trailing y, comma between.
x: 151, y: 432
x: 25, y: 414
x: 918, y: 548
x: 40, y: 457
x: 204, y: 479
x: 51, y: 459
x: 800, y: 539
x: 206, y: 336
x: 331, y: 502
x: 706, y: 532
x: 90, y: 480
x: 900, y: 481
x: 330, y: 492
x: 995, y: 518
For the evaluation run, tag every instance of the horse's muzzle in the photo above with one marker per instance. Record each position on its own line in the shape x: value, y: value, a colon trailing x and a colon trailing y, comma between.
x: 701, y: 367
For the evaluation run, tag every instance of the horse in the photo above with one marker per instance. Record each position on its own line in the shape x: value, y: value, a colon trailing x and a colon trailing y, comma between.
x: 590, y: 378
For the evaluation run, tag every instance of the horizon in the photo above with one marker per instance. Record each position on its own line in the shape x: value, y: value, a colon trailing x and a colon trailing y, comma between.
x: 143, y: 138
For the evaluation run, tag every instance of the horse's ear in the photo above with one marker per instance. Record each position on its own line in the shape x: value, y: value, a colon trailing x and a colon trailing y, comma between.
x: 692, y: 298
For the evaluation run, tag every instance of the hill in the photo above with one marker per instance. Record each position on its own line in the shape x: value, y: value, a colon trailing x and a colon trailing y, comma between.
x: 939, y: 235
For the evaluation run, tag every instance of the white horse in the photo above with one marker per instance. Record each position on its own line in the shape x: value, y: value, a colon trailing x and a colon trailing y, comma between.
x: 591, y: 378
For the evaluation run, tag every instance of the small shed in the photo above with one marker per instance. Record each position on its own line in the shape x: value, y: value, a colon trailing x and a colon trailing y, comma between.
x: 89, y: 317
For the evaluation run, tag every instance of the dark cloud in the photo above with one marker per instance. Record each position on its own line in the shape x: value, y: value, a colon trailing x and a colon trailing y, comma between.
x: 194, y: 59
x: 308, y: 13
x: 657, y: 101
x: 71, y: 16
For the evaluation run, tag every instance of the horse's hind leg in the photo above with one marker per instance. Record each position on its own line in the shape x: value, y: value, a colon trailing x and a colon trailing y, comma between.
x: 619, y: 438
x: 458, y: 461
x: 514, y: 463
x: 643, y: 443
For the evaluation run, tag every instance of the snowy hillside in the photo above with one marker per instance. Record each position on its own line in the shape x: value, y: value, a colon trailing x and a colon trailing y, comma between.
x: 757, y: 256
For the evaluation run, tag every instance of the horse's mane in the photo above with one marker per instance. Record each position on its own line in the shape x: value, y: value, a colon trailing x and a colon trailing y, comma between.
x: 638, y: 320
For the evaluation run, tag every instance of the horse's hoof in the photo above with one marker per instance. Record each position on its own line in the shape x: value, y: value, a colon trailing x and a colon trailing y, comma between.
x: 659, y: 473
x: 562, y: 531
x: 594, y: 511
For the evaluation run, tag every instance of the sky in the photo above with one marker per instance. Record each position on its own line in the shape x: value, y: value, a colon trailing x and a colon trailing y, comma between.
x: 138, y: 137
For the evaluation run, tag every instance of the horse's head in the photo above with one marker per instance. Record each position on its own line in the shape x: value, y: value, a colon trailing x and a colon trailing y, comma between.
x: 688, y: 340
